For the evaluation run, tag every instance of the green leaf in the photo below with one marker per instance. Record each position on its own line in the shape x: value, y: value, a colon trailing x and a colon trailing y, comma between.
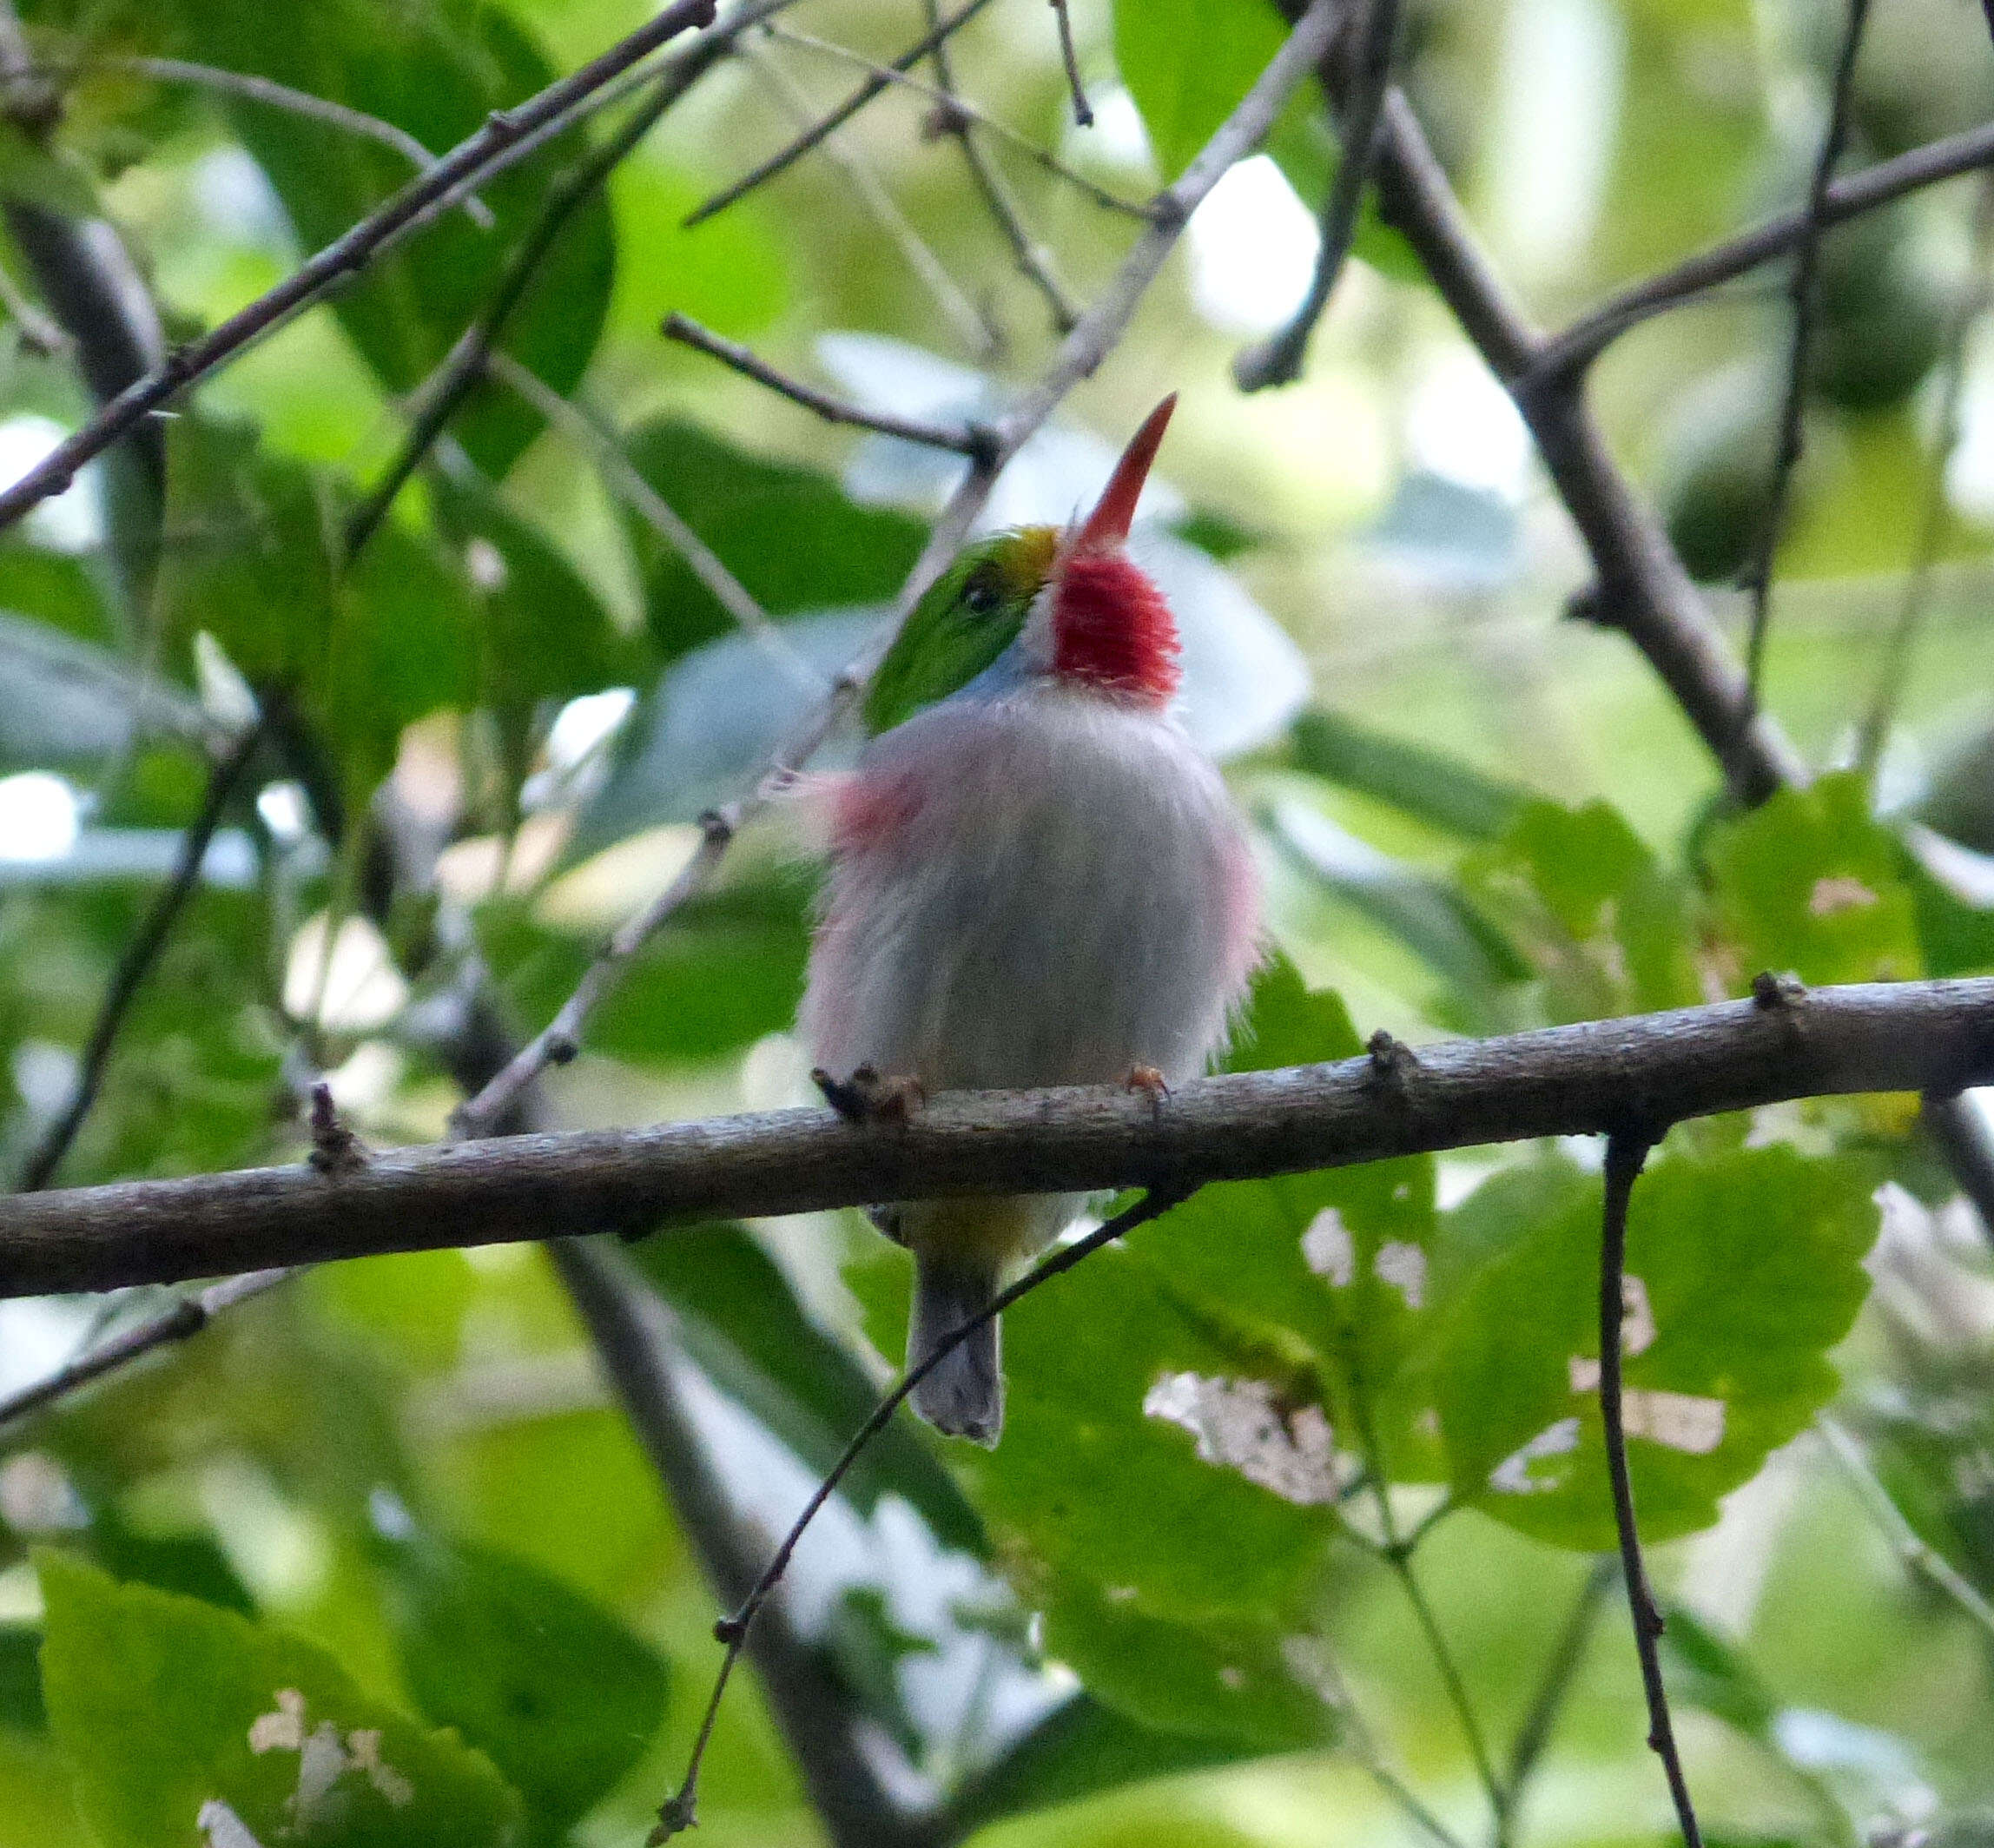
x: 546, y: 634
x: 1743, y: 1270
x: 726, y: 970
x: 436, y: 70
x: 1579, y: 894
x: 743, y: 1325
x: 1441, y: 791
x: 163, y: 1705
x: 1809, y: 882
x: 64, y: 700
x: 560, y: 1693
x: 790, y: 535
x: 21, y: 1677
x: 1428, y: 914
x: 1080, y: 1748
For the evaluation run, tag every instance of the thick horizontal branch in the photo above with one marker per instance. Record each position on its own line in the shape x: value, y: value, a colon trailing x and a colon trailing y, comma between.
x: 1650, y: 1069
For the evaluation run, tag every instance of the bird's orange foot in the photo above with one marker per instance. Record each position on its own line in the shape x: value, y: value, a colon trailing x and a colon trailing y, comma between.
x: 865, y: 1097
x: 1149, y: 1082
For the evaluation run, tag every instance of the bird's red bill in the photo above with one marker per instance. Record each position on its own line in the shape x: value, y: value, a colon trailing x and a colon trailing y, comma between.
x: 1108, y: 523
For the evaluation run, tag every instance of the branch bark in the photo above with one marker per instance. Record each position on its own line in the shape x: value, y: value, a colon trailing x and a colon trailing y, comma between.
x: 1567, y: 1080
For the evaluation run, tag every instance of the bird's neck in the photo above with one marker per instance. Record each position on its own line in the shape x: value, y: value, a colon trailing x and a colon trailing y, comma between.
x: 1112, y: 629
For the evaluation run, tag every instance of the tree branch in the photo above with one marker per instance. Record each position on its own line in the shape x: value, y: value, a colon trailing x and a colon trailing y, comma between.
x: 1083, y: 112
x: 1758, y: 578
x: 1643, y: 589
x: 971, y: 440
x: 1567, y: 1080
x: 1278, y: 359
x: 344, y: 256
x: 136, y: 963
x: 1627, y: 1153
x: 1582, y: 343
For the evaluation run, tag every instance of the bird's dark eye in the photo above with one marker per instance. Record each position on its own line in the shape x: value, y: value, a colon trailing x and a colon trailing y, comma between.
x: 981, y: 595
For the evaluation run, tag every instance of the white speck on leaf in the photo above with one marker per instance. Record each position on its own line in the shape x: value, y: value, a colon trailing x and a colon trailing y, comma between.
x: 321, y: 1761
x: 223, y: 1827
x: 1832, y: 896
x: 1232, y: 1676
x: 365, y: 1744
x: 1403, y: 1266
x: 1514, y: 1475
x: 282, y: 1730
x: 1237, y: 1425
x: 1327, y: 1247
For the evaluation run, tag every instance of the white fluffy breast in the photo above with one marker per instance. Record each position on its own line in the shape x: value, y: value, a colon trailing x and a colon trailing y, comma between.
x: 1047, y: 888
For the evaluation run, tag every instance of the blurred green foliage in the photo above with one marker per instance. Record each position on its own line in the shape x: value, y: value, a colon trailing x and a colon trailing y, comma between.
x: 259, y: 1569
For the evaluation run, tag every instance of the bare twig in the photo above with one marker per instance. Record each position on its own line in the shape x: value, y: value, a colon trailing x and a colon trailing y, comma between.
x: 1573, y: 350
x: 1925, y: 1561
x: 794, y: 150
x: 1083, y: 114
x: 952, y: 108
x: 1757, y: 580
x: 184, y: 1316
x: 971, y: 439
x: 972, y: 325
x: 137, y: 961
x: 1937, y: 520
x: 1035, y: 261
x: 1278, y: 359
x: 1567, y: 1080
x: 678, y: 1812
x: 344, y: 257
x: 273, y: 95
x: 1627, y: 1153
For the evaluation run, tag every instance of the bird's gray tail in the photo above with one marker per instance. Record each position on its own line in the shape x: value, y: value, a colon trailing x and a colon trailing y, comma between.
x: 964, y: 1395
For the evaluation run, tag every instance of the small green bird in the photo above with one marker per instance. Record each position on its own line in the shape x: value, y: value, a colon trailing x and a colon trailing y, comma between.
x: 1036, y: 879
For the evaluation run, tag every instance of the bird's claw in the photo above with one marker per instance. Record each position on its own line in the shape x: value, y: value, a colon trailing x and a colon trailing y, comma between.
x: 866, y: 1096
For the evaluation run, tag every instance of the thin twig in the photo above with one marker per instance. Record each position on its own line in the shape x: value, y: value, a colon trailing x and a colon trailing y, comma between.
x: 185, y: 1317
x: 139, y: 954
x: 678, y: 1812
x: 788, y: 156
x: 972, y: 325
x: 1938, y: 521
x: 1568, y: 1655
x: 1627, y: 1153
x: 1757, y: 580
x: 637, y: 1345
x: 1925, y: 1561
x: 1035, y: 261
x: 1083, y: 113
x: 660, y: 516
x: 1585, y: 339
x: 1278, y: 359
x: 345, y: 256
x: 970, y: 440
x: 1456, y: 1688
x: 951, y: 108
x: 273, y: 95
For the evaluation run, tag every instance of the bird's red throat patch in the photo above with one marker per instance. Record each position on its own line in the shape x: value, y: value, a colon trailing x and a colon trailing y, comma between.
x: 1113, y: 628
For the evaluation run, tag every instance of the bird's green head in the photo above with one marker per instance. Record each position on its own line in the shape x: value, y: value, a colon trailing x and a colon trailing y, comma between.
x: 971, y: 614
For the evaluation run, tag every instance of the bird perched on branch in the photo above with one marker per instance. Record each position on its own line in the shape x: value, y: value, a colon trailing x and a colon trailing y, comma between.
x: 1036, y: 879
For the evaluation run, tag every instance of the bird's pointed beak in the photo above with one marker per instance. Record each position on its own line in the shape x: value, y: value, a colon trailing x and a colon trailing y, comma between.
x: 1107, y: 525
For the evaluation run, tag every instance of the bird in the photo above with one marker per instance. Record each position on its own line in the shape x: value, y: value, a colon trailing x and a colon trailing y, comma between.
x: 1036, y: 878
